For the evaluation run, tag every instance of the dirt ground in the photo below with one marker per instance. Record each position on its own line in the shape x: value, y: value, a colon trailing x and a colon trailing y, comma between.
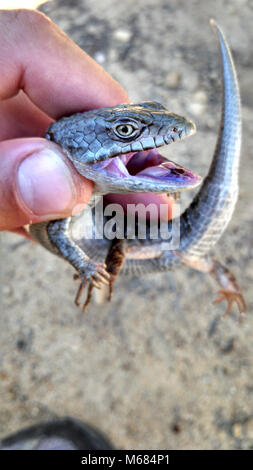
x: 159, y: 367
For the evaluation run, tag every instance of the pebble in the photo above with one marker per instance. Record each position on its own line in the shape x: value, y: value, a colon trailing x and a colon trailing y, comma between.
x: 6, y: 289
x: 249, y: 428
x: 99, y: 57
x: 172, y: 80
x: 198, y: 103
x: 122, y: 35
x: 237, y: 430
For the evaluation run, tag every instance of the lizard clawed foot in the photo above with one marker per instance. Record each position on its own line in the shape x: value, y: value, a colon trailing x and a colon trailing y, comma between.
x: 96, y: 277
x: 97, y: 274
x: 231, y: 297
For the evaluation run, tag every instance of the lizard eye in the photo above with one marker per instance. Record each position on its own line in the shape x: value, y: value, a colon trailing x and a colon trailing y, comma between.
x: 125, y: 130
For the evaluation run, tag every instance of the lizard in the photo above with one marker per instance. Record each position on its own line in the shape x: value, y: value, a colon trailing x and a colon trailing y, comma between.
x: 104, y: 144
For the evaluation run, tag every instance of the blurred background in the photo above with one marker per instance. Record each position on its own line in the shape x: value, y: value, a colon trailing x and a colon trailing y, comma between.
x: 159, y: 367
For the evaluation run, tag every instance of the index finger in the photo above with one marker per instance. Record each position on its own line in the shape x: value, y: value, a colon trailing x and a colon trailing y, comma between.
x: 52, y: 70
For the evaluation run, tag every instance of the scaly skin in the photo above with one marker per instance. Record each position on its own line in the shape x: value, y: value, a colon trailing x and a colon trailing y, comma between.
x: 202, y: 224
x: 92, y: 142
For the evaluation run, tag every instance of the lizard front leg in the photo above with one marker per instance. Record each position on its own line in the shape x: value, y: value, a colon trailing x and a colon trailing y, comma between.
x: 88, y: 270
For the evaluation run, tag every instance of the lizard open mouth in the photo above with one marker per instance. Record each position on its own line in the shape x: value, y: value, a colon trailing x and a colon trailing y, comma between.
x: 117, y: 147
x: 150, y: 167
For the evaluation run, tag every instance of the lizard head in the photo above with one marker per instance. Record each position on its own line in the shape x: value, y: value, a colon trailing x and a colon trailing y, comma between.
x: 117, y: 147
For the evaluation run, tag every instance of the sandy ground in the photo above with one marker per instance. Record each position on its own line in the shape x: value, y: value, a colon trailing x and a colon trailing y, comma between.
x: 159, y: 367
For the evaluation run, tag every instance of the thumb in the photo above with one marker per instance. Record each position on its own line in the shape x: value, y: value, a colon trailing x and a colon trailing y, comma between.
x: 38, y: 182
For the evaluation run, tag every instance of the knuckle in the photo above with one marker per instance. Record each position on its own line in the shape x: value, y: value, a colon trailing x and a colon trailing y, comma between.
x: 32, y: 19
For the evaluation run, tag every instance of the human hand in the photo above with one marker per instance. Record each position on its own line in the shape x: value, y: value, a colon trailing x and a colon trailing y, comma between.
x: 44, y: 75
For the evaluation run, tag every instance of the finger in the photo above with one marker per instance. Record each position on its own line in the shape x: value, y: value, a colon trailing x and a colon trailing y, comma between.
x: 37, y: 182
x: 54, y: 72
x: 19, y: 117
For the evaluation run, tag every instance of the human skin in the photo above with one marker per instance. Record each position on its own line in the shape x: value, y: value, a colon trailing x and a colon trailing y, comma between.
x: 44, y: 75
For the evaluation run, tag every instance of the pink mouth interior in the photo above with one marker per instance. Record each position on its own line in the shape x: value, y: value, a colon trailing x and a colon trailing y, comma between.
x: 145, y: 164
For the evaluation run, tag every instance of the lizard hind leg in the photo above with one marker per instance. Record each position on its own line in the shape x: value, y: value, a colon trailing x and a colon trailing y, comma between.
x: 114, y: 261
x: 231, y: 297
x: 230, y: 290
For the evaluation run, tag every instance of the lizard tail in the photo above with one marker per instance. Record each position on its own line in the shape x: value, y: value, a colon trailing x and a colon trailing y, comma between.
x: 204, y: 221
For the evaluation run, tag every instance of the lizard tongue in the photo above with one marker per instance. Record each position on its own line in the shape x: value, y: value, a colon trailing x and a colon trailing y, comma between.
x: 166, y: 169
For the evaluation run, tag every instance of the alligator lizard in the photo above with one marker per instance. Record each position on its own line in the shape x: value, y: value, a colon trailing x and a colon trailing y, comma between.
x: 117, y: 148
